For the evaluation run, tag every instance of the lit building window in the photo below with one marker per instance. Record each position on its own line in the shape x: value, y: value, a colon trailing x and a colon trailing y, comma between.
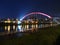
x: 9, y: 21
x: 13, y: 21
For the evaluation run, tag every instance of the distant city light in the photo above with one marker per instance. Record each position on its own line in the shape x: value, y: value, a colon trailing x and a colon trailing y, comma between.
x: 19, y: 22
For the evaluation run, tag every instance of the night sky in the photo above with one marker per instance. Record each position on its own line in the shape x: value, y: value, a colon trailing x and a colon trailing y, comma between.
x: 18, y: 8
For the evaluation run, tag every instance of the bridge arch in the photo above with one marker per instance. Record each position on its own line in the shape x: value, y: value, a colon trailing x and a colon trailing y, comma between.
x: 36, y: 13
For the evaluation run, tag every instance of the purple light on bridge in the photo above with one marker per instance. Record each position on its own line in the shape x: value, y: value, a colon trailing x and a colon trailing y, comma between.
x: 36, y: 13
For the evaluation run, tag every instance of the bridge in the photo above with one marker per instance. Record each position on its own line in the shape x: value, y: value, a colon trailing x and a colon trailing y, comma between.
x: 29, y: 22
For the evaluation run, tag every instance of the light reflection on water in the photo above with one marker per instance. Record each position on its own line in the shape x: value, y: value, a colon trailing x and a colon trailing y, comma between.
x: 21, y: 28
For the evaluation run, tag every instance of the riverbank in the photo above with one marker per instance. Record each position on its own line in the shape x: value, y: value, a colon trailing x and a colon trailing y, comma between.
x: 44, y: 36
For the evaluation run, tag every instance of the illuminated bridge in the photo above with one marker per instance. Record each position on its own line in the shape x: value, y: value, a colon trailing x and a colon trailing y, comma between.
x: 34, y: 20
x: 29, y: 22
